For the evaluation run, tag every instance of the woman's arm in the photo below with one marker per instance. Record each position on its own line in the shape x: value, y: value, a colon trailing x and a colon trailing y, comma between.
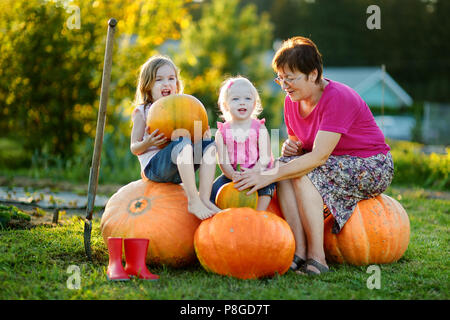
x: 324, y: 145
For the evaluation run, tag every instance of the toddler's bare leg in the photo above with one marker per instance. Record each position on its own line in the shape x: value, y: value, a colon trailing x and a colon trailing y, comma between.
x: 263, y: 203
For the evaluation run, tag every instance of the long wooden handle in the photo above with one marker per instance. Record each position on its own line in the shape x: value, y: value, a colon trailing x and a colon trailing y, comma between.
x: 106, y: 77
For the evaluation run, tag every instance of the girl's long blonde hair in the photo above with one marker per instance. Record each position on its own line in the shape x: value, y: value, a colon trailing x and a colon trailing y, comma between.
x: 223, y: 96
x: 147, y: 77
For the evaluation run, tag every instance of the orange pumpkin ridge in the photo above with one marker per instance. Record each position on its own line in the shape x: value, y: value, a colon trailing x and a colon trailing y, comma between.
x: 245, y: 243
x: 155, y: 211
x: 177, y: 114
x: 377, y: 232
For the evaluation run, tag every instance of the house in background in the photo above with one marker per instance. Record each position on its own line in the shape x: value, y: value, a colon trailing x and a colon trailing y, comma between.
x: 373, y: 84
x: 378, y: 89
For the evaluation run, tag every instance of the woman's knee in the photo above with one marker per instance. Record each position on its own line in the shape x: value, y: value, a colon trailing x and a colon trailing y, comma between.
x: 305, y: 189
x: 301, y: 182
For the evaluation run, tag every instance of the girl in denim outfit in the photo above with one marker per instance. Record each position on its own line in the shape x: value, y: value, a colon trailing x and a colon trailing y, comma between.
x: 159, y: 77
x: 243, y: 138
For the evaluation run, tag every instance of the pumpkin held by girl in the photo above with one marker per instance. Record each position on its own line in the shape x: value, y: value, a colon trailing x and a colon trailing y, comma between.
x: 376, y: 233
x: 178, y: 115
x: 155, y: 211
x: 245, y: 243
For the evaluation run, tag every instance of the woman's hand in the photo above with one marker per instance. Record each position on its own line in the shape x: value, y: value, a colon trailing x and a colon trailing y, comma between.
x: 291, y: 148
x: 155, y: 139
x: 252, y: 179
x: 235, y: 176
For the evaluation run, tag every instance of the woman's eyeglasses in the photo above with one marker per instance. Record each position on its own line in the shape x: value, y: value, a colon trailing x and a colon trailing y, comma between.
x: 280, y: 81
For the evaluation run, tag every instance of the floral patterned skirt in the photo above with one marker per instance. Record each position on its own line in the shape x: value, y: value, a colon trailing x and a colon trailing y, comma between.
x: 344, y: 180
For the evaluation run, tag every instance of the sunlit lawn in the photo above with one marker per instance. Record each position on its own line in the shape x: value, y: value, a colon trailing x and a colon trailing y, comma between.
x: 34, y: 265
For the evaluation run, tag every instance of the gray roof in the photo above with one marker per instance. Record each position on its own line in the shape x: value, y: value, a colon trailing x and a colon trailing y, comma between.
x: 362, y: 79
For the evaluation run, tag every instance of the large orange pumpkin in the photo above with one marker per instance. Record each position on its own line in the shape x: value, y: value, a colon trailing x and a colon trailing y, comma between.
x: 155, y: 211
x: 245, y: 243
x: 178, y: 111
x: 376, y: 233
x: 230, y: 197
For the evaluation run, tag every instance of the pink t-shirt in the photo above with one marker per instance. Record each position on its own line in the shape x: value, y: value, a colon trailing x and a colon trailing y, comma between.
x: 246, y: 153
x: 340, y: 110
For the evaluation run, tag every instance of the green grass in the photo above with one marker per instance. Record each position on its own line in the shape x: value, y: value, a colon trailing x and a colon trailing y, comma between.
x: 34, y: 263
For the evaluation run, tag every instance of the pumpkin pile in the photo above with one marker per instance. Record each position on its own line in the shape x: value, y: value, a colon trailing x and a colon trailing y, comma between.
x: 245, y: 243
x: 180, y: 115
x: 376, y: 233
x: 155, y: 211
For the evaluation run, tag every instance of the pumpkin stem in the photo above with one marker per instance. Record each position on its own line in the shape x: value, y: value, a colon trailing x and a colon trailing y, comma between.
x: 238, y: 167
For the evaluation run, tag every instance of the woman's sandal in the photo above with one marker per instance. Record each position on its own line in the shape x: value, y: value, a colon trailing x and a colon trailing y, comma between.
x: 299, y: 263
x: 317, y: 265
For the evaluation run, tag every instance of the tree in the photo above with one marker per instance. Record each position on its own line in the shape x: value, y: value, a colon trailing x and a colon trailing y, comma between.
x: 412, y: 41
x: 225, y: 41
x: 50, y: 74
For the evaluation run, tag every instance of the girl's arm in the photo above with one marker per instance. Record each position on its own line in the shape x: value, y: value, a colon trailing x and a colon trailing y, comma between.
x: 138, y: 144
x: 222, y: 154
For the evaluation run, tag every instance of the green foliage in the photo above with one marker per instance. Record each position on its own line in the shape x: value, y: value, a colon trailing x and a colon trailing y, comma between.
x: 13, y: 155
x: 7, y: 213
x: 412, y: 41
x: 43, y: 76
x: 118, y: 164
x: 50, y: 75
x: 225, y: 41
x: 413, y: 167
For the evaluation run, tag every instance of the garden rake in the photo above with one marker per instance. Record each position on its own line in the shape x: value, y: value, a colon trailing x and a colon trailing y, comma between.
x: 94, y: 170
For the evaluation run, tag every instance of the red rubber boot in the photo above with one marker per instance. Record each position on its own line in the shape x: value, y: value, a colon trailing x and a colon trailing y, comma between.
x: 135, y: 254
x: 115, y: 271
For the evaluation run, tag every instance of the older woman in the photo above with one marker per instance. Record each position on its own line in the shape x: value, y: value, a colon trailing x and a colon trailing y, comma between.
x: 336, y: 154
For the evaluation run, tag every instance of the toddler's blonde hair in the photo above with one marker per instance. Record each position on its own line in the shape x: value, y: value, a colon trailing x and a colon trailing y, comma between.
x: 147, y: 77
x: 223, y: 96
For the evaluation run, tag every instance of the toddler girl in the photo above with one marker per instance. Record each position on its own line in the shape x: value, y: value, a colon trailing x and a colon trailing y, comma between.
x: 243, y: 138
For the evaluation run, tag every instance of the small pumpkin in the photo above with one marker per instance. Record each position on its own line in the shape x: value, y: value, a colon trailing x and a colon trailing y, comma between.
x: 155, y: 211
x: 245, y: 243
x: 376, y: 233
x: 230, y: 197
x: 180, y: 115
